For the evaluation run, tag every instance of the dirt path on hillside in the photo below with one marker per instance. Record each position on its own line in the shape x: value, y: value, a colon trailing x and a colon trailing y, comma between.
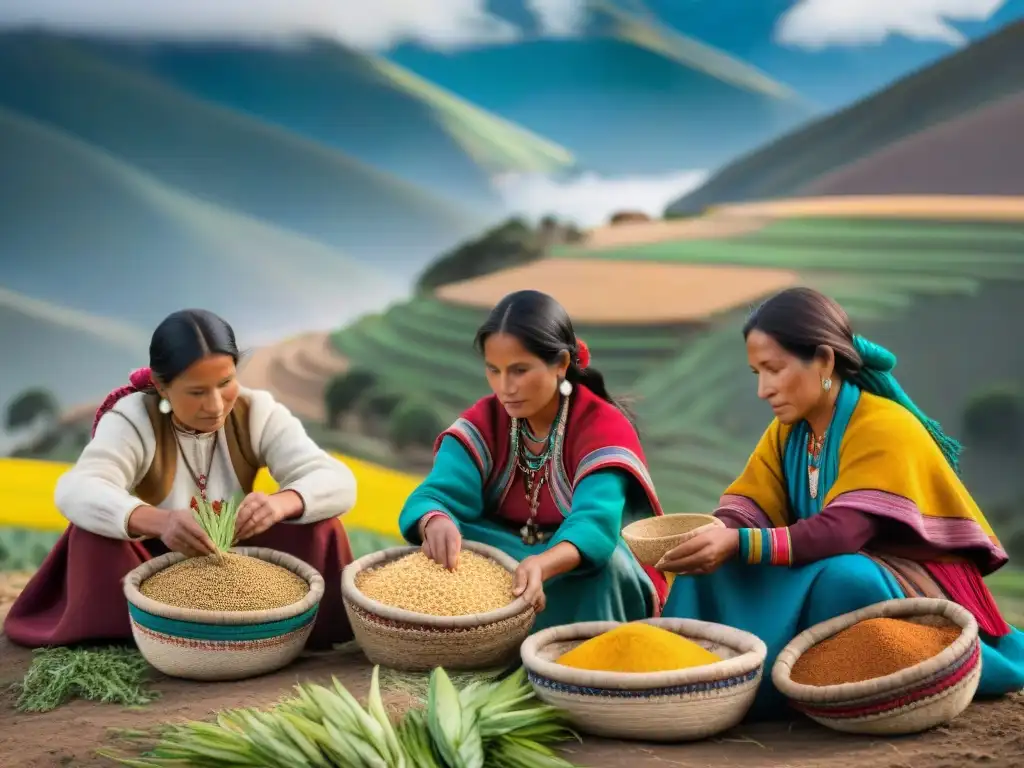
x: 988, y: 733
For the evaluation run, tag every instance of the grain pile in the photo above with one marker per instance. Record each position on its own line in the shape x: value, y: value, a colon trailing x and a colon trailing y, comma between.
x: 417, y: 583
x: 637, y: 647
x: 872, y: 648
x: 230, y: 582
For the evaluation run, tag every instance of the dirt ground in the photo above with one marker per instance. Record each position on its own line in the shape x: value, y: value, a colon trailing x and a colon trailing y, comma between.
x: 989, y: 734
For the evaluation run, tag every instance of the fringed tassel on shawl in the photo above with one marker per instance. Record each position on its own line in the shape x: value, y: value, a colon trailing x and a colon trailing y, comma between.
x: 876, y: 377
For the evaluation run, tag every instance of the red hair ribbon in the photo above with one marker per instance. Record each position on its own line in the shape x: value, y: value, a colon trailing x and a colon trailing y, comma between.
x: 138, y: 381
x: 582, y: 354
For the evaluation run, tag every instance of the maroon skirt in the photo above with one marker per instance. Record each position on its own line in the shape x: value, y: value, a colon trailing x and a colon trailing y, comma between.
x: 76, y: 596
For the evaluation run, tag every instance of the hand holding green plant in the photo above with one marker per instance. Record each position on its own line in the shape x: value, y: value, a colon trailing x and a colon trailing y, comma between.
x: 217, y: 519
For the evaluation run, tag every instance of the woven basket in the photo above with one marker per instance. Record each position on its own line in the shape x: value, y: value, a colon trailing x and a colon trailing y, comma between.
x: 407, y: 640
x: 909, y: 701
x: 221, y: 645
x: 649, y: 539
x: 681, y: 705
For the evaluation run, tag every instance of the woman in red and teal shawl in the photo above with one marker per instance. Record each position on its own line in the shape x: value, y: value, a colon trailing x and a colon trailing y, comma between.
x: 547, y: 469
x: 851, y: 497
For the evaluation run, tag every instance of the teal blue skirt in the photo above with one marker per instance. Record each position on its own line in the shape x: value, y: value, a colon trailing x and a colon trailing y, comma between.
x: 777, y: 603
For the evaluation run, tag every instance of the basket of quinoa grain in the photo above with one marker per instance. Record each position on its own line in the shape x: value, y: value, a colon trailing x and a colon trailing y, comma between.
x: 228, y: 616
x: 897, y: 667
x: 409, y: 613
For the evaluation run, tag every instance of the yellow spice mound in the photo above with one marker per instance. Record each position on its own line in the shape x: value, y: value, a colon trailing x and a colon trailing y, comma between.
x: 637, y: 647
x: 236, y: 583
x: 417, y: 583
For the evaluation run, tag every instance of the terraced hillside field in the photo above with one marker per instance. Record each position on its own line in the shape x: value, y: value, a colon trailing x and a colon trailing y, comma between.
x: 689, y: 378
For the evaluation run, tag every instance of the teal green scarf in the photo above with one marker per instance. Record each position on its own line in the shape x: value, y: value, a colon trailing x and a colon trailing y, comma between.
x: 875, y: 377
x: 794, y: 461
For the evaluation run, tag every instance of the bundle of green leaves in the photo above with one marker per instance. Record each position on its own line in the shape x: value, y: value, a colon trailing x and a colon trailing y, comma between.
x: 108, y: 675
x: 498, y: 724
x: 217, y: 519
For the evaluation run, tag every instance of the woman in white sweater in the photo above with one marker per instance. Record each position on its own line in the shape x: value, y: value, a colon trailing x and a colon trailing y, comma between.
x: 183, y: 430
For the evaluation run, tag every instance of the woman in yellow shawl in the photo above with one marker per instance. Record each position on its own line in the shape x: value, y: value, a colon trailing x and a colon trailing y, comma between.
x: 851, y: 497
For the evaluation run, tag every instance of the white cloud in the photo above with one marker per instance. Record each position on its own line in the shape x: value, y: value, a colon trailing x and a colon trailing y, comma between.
x: 559, y: 18
x: 589, y: 200
x: 367, y: 24
x: 816, y: 24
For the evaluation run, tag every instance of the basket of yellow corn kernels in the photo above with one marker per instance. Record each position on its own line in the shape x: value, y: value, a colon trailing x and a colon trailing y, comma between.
x: 241, y: 612
x: 410, y: 613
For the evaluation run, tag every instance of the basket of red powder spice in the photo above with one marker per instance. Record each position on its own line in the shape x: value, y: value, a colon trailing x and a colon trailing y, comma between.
x: 897, y: 667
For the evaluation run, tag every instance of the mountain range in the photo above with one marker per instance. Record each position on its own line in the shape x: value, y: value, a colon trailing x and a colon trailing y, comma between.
x: 292, y: 187
x: 916, y: 106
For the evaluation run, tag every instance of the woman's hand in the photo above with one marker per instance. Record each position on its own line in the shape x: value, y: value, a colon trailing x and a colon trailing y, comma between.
x: 442, y: 541
x: 258, y: 512
x: 181, y: 532
x: 528, y: 582
x: 702, y: 554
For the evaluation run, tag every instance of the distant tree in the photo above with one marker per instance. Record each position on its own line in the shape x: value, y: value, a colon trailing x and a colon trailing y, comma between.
x: 343, y: 391
x: 510, y: 244
x: 414, y: 423
x: 994, y: 419
x: 377, y: 403
x: 31, y: 408
x: 624, y: 217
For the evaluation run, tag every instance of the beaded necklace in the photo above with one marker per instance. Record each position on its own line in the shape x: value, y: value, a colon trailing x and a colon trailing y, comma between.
x: 536, y: 467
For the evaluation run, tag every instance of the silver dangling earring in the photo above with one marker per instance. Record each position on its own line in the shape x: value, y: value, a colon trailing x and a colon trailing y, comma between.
x: 826, y: 384
x: 165, y: 406
x: 565, y: 387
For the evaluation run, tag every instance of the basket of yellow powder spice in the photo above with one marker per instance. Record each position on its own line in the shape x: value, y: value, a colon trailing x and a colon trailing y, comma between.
x: 651, y: 680
x: 651, y: 538
x: 896, y: 667
x: 239, y: 613
x: 409, y: 613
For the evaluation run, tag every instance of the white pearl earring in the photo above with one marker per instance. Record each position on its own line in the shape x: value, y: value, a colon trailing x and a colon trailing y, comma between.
x: 165, y: 406
x: 826, y: 384
x: 565, y: 387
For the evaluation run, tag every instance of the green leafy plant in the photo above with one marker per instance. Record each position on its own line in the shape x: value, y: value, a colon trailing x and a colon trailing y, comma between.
x: 217, y: 519
x: 486, y: 723
x: 108, y: 675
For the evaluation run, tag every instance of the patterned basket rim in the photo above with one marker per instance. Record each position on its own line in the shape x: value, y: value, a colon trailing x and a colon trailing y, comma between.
x: 351, y: 593
x: 902, y: 701
x: 966, y: 661
x: 629, y: 533
x: 970, y: 681
x: 751, y: 649
x: 382, y: 623
x: 305, y: 571
x: 725, y: 685
x: 900, y: 608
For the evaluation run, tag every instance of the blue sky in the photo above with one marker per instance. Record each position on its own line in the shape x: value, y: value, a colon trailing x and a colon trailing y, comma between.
x: 563, y: 71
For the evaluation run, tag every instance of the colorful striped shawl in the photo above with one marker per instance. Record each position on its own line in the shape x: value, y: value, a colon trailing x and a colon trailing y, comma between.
x: 889, y: 466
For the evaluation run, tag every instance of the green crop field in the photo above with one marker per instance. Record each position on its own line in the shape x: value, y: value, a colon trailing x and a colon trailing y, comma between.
x: 426, y: 346
x: 683, y: 379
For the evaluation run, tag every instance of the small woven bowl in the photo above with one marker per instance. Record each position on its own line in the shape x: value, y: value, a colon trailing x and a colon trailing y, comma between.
x: 680, y: 705
x: 915, y: 699
x: 407, y: 640
x: 649, y: 539
x: 221, y: 645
